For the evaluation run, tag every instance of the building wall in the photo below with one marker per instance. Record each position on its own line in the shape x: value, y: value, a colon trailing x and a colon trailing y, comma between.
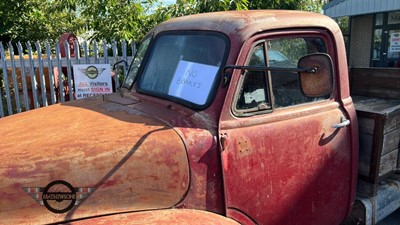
x: 360, y: 40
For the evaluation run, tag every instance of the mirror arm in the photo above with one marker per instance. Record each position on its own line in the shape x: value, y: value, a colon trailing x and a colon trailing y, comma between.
x: 119, y: 62
x: 115, y: 66
x: 266, y: 68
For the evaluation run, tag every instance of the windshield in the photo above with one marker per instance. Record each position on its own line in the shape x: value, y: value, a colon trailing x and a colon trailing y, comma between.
x: 184, y: 67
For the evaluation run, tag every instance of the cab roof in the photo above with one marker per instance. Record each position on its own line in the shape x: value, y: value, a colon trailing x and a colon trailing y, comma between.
x: 241, y: 25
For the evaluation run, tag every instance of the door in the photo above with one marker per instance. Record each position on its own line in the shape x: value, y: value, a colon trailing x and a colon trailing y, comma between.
x: 283, y: 162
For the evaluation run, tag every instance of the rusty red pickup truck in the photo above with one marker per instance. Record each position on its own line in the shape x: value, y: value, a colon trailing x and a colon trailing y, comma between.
x: 223, y: 118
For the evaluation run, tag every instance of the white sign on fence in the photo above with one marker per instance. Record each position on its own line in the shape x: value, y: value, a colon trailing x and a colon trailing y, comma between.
x: 92, y: 79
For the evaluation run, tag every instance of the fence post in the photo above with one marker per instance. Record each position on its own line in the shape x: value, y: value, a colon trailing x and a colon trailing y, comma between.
x: 69, y: 72
x: 96, y: 52
x: 41, y: 74
x: 115, y: 56
x: 51, y: 75
x: 59, y: 69
x: 23, y: 76
x: 105, y: 51
x: 86, y: 52
x: 33, y: 76
x: 14, y: 77
x: 5, y: 80
x: 124, y: 55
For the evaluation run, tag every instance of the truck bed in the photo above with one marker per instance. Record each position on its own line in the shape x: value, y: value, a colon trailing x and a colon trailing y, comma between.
x: 376, y: 96
x: 379, y: 128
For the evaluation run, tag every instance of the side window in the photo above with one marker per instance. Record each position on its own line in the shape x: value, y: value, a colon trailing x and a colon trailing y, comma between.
x: 262, y: 90
x: 285, y: 53
x: 253, y: 95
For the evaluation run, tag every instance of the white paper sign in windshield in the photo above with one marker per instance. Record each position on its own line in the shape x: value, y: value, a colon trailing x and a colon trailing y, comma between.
x: 92, y: 79
x: 193, y: 81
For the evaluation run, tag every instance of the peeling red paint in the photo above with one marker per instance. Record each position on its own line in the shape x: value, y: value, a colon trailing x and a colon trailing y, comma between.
x: 143, y: 154
x: 121, y: 164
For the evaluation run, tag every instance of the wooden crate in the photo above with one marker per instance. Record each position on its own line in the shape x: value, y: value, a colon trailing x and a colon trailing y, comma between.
x: 379, y: 134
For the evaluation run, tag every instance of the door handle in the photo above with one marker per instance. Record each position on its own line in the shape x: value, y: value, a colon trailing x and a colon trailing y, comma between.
x: 343, y: 122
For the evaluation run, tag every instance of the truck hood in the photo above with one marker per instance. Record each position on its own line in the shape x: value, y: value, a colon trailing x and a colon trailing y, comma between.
x: 115, y: 158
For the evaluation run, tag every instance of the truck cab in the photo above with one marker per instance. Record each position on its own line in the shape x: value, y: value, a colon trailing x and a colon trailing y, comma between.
x: 240, y: 116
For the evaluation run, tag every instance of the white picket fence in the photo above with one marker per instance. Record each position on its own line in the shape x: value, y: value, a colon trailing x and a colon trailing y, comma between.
x: 27, y: 77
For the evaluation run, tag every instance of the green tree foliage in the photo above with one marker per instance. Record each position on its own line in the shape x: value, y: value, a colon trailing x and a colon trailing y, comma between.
x: 10, y: 14
x: 187, y: 7
x: 114, y: 19
x: 23, y: 20
x: 304, y: 5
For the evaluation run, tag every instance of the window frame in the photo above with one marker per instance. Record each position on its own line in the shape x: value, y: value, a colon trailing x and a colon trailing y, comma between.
x: 282, y: 34
x: 149, y: 37
x: 267, y: 80
x: 218, y: 76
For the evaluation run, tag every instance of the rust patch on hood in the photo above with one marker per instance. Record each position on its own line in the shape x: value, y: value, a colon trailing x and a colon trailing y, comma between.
x: 169, y: 216
x: 133, y: 161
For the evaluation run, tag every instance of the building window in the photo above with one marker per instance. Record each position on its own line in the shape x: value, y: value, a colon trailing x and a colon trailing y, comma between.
x: 376, y: 49
x: 386, y: 40
x: 379, y: 19
x: 393, y: 51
